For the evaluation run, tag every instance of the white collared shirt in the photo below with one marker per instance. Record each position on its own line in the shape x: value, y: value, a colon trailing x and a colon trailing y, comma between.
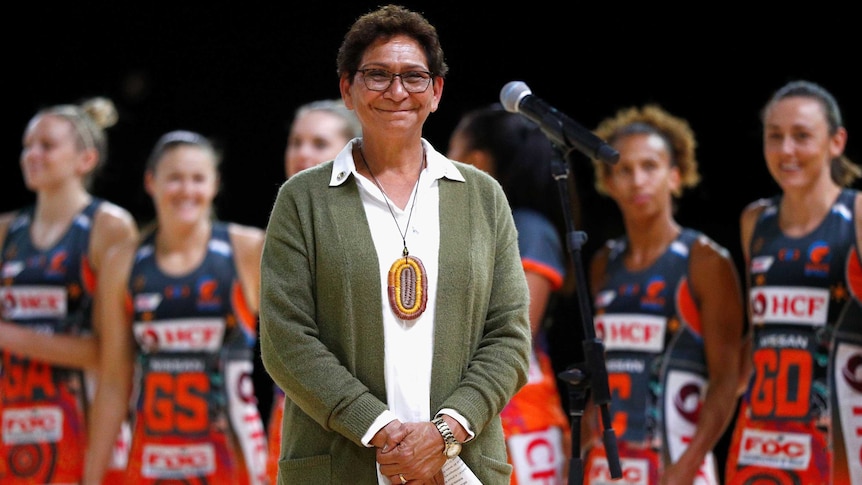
x: 409, y: 344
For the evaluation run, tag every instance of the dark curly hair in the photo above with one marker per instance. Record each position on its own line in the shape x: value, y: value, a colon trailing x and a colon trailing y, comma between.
x: 385, y: 23
x: 652, y: 119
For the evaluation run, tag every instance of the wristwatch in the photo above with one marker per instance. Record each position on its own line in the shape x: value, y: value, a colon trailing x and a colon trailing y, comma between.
x: 451, y: 446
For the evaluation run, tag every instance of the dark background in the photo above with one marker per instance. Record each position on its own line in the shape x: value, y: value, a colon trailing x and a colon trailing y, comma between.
x: 235, y: 72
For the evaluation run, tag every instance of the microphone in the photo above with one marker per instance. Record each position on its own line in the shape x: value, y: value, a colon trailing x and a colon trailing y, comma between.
x: 516, y: 97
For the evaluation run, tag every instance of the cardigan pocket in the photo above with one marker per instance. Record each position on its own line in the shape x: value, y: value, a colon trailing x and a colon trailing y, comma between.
x: 493, y: 471
x: 312, y: 469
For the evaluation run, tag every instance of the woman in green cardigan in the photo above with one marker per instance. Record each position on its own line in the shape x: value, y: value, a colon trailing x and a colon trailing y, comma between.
x: 394, y: 309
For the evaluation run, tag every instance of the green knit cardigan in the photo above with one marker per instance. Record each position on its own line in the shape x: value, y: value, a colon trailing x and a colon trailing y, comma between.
x: 321, y: 326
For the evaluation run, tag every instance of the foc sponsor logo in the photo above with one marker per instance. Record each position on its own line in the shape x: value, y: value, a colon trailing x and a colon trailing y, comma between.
x: 162, y: 461
x: 775, y: 450
x: 781, y: 304
x: 634, y: 472
x: 32, y: 425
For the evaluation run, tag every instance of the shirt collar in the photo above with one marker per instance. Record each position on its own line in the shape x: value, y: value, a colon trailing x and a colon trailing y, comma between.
x: 438, y: 165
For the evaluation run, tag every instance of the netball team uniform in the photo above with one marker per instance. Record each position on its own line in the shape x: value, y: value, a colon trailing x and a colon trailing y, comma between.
x: 846, y: 363
x: 650, y: 325
x: 195, y: 415
x: 43, y: 407
x: 536, y: 428
x: 798, y: 288
x: 273, y: 431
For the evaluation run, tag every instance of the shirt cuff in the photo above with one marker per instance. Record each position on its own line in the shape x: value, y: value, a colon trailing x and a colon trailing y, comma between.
x: 461, y: 419
x: 385, y: 418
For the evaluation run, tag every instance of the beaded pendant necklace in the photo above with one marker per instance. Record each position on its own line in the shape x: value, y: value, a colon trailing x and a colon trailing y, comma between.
x: 407, y: 282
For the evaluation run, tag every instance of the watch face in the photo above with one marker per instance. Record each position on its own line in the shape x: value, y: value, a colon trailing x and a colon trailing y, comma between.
x: 453, y: 450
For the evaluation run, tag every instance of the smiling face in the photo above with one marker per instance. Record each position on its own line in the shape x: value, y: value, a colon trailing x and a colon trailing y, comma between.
x: 797, y: 145
x: 183, y: 184
x: 643, y: 181
x: 315, y: 137
x: 394, y: 111
x: 50, y: 156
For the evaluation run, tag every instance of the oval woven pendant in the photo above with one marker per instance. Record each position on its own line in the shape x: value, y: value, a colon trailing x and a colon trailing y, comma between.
x: 408, y: 287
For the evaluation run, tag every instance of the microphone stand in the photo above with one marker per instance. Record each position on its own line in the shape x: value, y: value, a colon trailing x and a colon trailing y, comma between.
x: 592, y: 374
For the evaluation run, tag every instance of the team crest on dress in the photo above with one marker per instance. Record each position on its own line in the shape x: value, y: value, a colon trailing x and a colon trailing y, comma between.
x: 819, y: 257
x: 654, y: 295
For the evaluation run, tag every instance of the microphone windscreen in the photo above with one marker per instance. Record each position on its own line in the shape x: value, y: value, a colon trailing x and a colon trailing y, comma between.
x: 512, y: 94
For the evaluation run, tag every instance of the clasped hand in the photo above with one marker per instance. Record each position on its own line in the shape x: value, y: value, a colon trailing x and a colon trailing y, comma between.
x: 413, y: 451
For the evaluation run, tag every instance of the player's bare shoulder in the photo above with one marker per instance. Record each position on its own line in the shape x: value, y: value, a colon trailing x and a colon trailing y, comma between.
x: 245, y: 235
x: 752, y: 210
x: 707, y: 246
x: 112, y: 217
x: 5, y: 219
x: 247, y: 242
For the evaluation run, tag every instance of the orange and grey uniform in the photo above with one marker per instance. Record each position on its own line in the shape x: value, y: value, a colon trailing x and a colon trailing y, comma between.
x: 534, y: 422
x: 43, y: 407
x: 650, y: 325
x: 195, y: 415
x: 273, y: 429
x: 798, y: 287
x: 846, y: 383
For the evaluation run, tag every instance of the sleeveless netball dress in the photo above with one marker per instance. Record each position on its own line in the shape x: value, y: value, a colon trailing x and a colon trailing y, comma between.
x: 798, y: 289
x: 650, y: 326
x: 195, y: 418
x: 534, y: 422
x: 43, y: 407
x: 273, y: 432
x: 846, y: 375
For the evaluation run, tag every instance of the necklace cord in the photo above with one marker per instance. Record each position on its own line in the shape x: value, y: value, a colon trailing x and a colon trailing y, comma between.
x: 405, y: 252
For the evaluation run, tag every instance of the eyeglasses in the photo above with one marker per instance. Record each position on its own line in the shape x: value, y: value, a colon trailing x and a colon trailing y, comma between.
x: 381, y: 79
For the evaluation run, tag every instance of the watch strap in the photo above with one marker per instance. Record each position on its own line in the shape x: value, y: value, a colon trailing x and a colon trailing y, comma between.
x: 443, y: 428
